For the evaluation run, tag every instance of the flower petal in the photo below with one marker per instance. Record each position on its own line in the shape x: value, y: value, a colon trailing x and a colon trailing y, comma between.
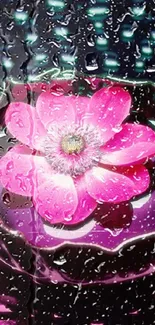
x: 137, y: 153
x: 108, y: 186
x: 23, y: 123
x: 130, y: 134
x: 108, y: 108
x: 138, y: 174
x: 81, y: 107
x: 133, y: 143
x: 56, y: 199
x: 16, y: 170
x: 86, y: 204
x: 55, y: 108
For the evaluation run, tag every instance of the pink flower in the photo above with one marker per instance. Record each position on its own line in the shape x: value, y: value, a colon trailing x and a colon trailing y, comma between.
x: 75, y: 152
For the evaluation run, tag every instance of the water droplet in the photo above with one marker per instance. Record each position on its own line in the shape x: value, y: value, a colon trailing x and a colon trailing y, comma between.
x: 61, y: 261
x: 6, y: 199
x: 67, y: 217
x: 20, y: 223
x: 10, y: 165
x: 91, y: 61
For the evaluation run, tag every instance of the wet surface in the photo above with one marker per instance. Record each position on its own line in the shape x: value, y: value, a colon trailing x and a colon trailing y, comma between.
x: 100, y: 270
x: 99, y: 37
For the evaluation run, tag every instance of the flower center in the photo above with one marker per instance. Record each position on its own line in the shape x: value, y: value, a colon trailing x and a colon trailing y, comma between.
x: 72, y: 144
x: 72, y: 149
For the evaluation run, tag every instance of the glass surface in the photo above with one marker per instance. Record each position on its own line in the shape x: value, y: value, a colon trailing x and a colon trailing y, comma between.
x: 77, y: 148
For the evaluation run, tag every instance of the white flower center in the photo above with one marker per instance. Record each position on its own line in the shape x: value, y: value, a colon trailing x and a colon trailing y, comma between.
x: 72, y: 149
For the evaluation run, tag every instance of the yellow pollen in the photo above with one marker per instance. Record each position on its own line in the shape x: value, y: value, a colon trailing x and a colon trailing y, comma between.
x: 72, y: 144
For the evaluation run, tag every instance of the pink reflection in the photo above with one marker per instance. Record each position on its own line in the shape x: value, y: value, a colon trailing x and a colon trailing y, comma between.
x: 8, y: 322
x: 135, y: 312
x: 4, y: 309
x: 97, y: 324
x: 8, y: 299
x: 56, y: 316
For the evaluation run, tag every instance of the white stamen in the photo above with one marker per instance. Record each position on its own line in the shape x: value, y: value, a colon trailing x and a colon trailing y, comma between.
x: 74, y: 157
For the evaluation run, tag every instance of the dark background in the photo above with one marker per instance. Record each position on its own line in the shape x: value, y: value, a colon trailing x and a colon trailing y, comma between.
x: 21, y: 39
x: 41, y: 301
x: 21, y: 43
